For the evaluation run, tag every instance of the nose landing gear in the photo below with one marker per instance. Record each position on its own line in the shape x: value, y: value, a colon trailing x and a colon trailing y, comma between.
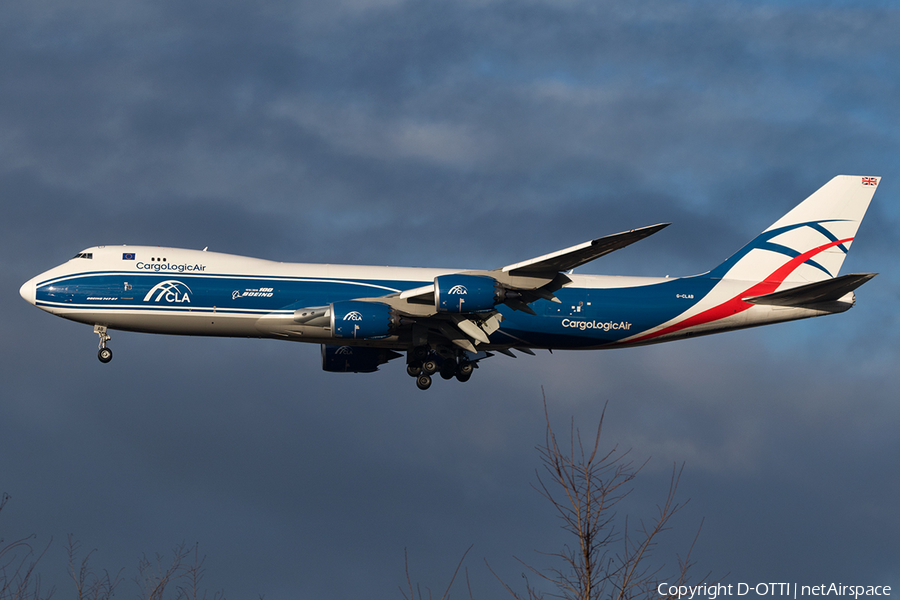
x: 104, y: 353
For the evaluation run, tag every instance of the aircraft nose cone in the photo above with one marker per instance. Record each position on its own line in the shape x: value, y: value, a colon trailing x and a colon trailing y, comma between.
x: 27, y: 291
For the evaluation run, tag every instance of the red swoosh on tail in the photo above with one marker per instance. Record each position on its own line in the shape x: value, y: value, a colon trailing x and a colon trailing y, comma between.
x: 736, y: 304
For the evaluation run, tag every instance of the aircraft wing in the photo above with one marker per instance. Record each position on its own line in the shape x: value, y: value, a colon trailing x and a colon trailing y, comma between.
x: 472, y: 317
x: 543, y: 275
x: 575, y: 256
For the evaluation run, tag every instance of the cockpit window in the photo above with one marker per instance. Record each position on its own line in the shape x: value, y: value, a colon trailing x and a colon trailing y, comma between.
x: 84, y: 255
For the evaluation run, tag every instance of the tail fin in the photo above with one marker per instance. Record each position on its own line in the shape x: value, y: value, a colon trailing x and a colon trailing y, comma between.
x: 810, y: 242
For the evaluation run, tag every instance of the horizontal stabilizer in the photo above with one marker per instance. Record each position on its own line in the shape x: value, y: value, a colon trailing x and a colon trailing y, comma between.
x: 830, y: 290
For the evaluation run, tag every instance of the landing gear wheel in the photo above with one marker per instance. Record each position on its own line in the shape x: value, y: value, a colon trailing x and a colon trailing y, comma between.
x: 414, y: 369
x: 448, y: 369
x: 423, y: 382
x: 429, y: 367
x: 104, y: 354
x: 464, y: 371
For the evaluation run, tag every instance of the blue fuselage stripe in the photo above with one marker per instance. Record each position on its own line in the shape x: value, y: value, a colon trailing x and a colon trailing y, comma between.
x: 584, y: 317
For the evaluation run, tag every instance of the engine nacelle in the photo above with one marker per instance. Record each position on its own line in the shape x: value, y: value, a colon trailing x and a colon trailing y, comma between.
x: 466, y: 293
x: 351, y: 359
x: 361, y: 320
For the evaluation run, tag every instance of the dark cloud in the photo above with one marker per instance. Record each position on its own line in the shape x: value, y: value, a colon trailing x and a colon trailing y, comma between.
x: 463, y: 134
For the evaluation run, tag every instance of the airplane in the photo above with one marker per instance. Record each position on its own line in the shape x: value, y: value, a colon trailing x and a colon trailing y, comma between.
x: 447, y: 321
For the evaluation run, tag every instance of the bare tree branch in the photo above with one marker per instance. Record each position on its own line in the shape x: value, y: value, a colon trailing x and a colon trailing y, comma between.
x: 446, y: 594
x: 88, y: 584
x: 18, y: 580
x: 155, y: 576
x: 585, y: 487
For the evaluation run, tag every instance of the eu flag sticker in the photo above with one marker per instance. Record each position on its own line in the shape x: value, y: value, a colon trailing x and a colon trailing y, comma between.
x: 128, y: 256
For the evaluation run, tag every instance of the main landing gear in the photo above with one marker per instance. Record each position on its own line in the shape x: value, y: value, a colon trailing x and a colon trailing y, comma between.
x: 104, y: 353
x: 422, y: 363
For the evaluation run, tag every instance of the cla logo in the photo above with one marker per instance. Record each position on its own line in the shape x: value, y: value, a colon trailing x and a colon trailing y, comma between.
x: 457, y: 290
x: 344, y: 350
x: 354, y: 315
x: 170, y: 291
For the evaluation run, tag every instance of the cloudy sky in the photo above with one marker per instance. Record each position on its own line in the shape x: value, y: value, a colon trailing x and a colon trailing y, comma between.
x: 475, y: 134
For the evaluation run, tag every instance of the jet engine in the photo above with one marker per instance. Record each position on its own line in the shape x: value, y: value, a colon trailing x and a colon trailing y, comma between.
x: 350, y: 359
x: 466, y: 293
x: 361, y: 320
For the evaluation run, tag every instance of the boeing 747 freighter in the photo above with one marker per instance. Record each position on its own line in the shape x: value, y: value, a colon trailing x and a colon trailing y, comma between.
x: 448, y: 320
